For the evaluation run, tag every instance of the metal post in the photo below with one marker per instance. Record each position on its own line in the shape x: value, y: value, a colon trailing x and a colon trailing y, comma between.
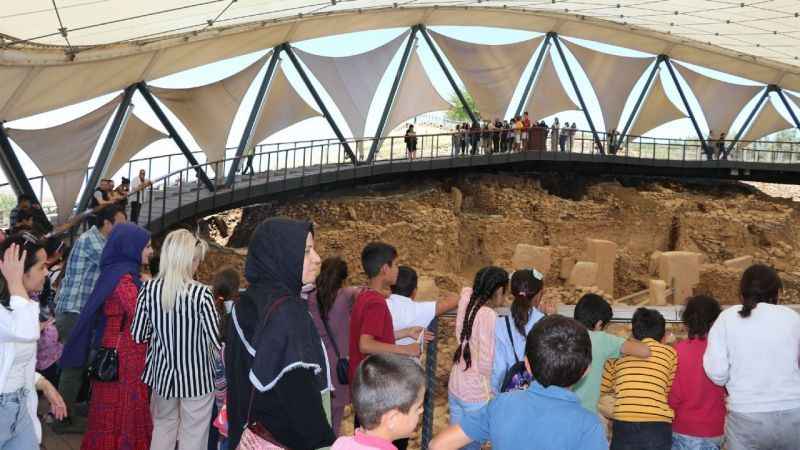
x: 534, y: 74
x: 109, y: 146
x: 785, y: 102
x: 640, y: 100
x: 255, y: 115
x: 296, y: 63
x: 12, y: 168
x: 173, y: 133
x: 597, y: 142
x: 429, y: 405
x: 674, y: 77
x: 401, y: 69
x: 747, y: 121
x: 424, y: 32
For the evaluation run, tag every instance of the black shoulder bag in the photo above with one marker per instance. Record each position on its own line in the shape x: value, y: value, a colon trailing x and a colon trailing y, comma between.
x: 342, y: 364
x: 105, y: 364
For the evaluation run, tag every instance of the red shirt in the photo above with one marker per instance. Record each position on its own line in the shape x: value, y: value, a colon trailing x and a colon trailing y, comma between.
x: 699, y: 404
x: 370, y: 317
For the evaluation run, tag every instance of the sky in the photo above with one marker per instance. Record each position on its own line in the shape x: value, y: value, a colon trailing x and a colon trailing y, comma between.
x: 355, y: 43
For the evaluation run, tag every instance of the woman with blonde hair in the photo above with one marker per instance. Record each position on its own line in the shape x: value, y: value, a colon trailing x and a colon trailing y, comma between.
x: 177, y: 316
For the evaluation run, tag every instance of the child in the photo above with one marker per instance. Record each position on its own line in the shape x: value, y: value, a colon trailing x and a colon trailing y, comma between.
x: 698, y: 403
x: 225, y: 288
x: 595, y: 314
x: 642, y: 416
x: 546, y: 416
x: 469, y: 386
x: 388, y: 391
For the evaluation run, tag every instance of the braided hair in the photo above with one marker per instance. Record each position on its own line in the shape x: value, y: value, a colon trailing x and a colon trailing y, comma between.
x: 524, y: 287
x: 487, y: 281
x: 759, y: 284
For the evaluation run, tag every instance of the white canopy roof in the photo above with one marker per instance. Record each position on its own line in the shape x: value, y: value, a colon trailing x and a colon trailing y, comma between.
x: 58, y: 53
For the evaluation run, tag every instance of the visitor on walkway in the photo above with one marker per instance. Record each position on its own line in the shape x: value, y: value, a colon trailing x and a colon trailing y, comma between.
x: 710, y: 146
x: 177, y: 317
x: 119, y: 410
x: 456, y: 140
x: 698, y: 403
x: 81, y: 274
x: 573, y: 129
x: 138, y: 184
x: 562, y: 138
x: 249, y: 153
x: 411, y: 142
x: 465, y: 136
x: 753, y: 352
x: 278, y: 375
x: 23, y: 272
x: 469, y: 387
x: 330, y: 305
x: 518, y: 129
x: 720, y: 150
x: 497, y: 135
x: 29, y: 204
x: 554, y: 133
x: 475, y: 137
x: 526, y: 130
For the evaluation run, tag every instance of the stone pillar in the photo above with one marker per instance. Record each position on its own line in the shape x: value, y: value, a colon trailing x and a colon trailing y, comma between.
x: 658, y: 292
x: 604, y: 254
x: 682, y: 271
x: 532, y: 257
x: 584, y: 274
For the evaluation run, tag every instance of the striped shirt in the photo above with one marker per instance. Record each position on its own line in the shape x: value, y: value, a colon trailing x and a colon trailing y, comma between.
x: 184, y: 342
x: 641, y: 386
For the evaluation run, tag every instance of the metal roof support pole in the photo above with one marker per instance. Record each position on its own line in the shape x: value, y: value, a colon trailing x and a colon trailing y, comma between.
x: 534, y: 74
x: 674, y: 77
x: 640, y: 100
x: 296, y: 63
x: 255, y: 115
x: 788, y: 107
x: 109, y: 146
x: 401, y: 70
x: 173, y: 133
x: 748, y: 121
x: 597, y: 141
x: 424, y: 32
x: 13, y: 169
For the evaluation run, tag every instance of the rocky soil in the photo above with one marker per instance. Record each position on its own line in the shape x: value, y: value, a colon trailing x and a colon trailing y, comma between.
x: 447, y: 228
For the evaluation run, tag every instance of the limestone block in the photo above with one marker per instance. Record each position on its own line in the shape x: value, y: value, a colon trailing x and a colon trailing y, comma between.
x: 741, y: 263
x: 532, y: 257
x: 427, y: 289
x: 458, y: 199
x: 567, y: 263
x: 658, y: 292
x: 680, y: 270
x: 654, y: 261
x: 584, y: 274
x: 604, y: 254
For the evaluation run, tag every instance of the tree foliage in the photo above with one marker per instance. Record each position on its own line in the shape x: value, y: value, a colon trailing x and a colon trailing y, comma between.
x: 457, y: 111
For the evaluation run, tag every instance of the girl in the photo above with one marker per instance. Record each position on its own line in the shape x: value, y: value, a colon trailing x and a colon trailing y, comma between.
x: 469, y: 387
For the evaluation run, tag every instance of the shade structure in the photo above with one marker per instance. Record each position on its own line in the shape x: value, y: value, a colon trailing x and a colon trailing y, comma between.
x: 351, y: 81
x: 136, y: 136
x: 62, y: 152
x: 656, y: 110
x: 416, y: 95
x: 613, y: 78
x: 721, y: 101
x: 283, y: 107
x: 208, y: 111
x: 549, y: 96
x: 490, y: 72
x: 768, y: 121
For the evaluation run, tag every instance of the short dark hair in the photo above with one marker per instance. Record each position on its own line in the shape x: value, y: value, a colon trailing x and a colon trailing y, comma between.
x: 108, y: 214
x: 375, y: 255
x: 406, y: 281
x: 700, y: 313
x: 52, y: 245
x: 24, y: 198
x: 759, y: 284
x: 385, y: 382
x: 592, y: 308
x: 559, y: 351
x: 225, y: 283
x: 648, y: 323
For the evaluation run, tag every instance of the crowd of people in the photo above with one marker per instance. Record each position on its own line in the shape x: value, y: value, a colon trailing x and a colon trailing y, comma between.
x: 174, y: 363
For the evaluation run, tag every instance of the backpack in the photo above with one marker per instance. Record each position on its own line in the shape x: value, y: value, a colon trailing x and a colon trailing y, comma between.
x: 517, y: 376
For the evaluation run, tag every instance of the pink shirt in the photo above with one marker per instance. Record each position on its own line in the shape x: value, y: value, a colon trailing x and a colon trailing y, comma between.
x: 699, y: 404
x: 362, y: 442
x: 473, y: 385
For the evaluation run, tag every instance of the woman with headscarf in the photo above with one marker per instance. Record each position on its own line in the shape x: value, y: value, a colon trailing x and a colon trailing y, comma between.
x: 278, y: 375
x: 119, y: 414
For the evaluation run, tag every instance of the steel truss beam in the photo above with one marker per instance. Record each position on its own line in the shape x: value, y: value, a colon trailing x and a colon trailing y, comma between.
x: 675, y: 80
x: 534, y: 74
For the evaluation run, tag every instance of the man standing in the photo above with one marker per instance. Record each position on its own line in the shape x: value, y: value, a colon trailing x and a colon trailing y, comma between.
x: 138, y: 183
x: 526, y: 130
x: 82, y: 271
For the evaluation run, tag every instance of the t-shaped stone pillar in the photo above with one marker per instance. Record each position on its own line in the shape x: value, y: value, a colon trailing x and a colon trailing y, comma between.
x: 532, y: 257
x: 682, y: 271
x: 604, y: 254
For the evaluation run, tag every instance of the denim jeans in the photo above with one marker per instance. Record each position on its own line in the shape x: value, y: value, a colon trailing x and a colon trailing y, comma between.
x: 686, y: 442
x: 16, y: 427
x: 641, y: 435
x: 459, y: 408
x: 775, y: 430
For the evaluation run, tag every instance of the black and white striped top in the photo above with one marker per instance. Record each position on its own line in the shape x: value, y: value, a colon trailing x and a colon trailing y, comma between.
x: 183, y: 341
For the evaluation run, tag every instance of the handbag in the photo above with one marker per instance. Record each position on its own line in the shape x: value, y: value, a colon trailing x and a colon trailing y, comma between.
x: 342, y: 364
x: 105, y: 364
x: 517, y: 376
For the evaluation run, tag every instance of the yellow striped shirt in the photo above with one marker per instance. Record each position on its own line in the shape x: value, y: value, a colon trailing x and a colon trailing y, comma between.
x: 641, y: 386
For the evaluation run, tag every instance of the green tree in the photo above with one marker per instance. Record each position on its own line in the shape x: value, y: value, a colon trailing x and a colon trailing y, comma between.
x: 457, y: 111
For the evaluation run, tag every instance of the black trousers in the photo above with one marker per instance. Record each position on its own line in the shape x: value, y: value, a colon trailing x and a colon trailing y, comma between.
x: 135, y: 208
x: 641, y: 436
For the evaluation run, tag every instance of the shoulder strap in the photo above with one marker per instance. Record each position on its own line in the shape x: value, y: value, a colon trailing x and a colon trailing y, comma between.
x: 331, y: 337
x: 511, y: 338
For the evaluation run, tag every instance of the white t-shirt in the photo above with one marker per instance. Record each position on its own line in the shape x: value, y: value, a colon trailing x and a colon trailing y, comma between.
x: 408, y: 313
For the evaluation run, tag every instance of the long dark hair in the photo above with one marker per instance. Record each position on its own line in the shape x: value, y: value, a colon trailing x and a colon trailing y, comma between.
x: 487, y: 281
x: 760, y: 284
x: 26, y: 242
x: 525, y: 286
x: 330, y: 279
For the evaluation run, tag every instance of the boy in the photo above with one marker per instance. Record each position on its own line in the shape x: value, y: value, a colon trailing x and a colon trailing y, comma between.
x: 546, y: 416
x: 407, y: 312
x: 642, y: 416
x: 595, y: 314
x: 387, y: 398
